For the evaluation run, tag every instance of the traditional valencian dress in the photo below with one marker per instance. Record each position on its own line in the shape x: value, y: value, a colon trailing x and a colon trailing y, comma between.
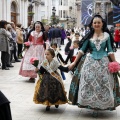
x: 93, y: 86
x: 35, y: 50
x: 49, y: 89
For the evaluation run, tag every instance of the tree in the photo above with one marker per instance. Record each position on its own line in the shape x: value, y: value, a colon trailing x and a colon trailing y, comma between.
x: 44, y: 21
x: 54, y: 19
x: 116, y: 2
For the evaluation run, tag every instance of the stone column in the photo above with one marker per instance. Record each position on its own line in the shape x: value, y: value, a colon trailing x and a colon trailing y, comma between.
x: 25, y: 13
x: 103, y: 9
x: 8, y: 8
x: 1, y: 10
x: 4, y: 12
x: 20, y: 20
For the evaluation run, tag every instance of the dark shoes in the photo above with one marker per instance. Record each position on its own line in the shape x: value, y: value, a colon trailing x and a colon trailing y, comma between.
x: 10, y: 66
x: 17, y: 61
x: 56, y: 106
x: 5, y: 68
x: 32, y: 80
x: 48, y: 108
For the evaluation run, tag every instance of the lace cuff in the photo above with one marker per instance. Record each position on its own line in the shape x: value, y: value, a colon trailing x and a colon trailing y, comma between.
x: 110, y: 53
x: 81, y: 52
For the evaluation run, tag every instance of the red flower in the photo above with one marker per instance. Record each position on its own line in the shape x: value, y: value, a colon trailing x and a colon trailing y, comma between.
x: 26, y: 45
x: 113, y: 67
x: 34, y: 61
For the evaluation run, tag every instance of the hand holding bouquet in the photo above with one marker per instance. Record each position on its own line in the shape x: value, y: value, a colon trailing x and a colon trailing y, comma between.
x: 26, y: 45
x: 114, y: 67
x: 34, y: 61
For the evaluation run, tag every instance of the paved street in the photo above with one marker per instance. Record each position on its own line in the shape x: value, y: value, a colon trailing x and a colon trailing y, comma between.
x: 20, y: 93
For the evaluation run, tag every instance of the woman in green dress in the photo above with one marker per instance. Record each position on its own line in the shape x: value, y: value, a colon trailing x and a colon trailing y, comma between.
x: 93, y: 86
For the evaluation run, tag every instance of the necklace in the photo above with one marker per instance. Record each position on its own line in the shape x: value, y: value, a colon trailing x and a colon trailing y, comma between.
x: 98, y: 37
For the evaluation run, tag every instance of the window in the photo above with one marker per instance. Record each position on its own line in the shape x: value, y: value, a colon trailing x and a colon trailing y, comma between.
x: 64, y: 13
x: 13, y: 7
x: 53, y: 2
x: 65, y: 3
x: 60, y: 13
x: 60, y: 2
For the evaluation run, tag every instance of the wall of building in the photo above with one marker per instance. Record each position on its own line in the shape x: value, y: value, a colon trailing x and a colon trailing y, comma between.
x: 21, y: 11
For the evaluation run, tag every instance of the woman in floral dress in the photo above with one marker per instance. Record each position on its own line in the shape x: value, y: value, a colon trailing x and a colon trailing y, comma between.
x: 36, y: 49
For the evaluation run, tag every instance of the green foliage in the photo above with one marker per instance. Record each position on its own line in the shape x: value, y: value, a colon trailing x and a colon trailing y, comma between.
x: 54, y: 19
x: 31, y: 13
x: 44, y: 21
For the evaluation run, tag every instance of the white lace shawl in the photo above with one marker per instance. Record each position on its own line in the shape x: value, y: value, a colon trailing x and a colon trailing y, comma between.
x: 98, y: 42
x: 54, y: 64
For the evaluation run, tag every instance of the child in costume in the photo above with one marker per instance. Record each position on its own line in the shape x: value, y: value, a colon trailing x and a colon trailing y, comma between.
x: 49, y: 89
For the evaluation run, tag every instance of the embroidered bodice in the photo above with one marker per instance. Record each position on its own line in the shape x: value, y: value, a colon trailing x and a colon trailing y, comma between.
x: 99, y: 48
x: 36, y: 39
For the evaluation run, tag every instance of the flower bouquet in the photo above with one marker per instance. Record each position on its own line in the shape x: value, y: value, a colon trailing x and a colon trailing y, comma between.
x: 26, y: 45
x: 34, y: 61
x: 114, y: 67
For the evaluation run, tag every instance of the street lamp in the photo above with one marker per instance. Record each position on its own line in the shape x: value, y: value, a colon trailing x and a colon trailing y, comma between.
x: 53, y: 11
x: 53, y: 14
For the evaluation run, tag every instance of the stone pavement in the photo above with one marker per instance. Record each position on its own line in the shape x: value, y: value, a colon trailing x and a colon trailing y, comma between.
x: 20, y: 92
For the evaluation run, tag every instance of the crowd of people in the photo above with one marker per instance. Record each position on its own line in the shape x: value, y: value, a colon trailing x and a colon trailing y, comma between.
x: 89, y: 51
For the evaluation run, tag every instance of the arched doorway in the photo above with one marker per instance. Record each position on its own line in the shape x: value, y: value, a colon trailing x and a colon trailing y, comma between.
x: 30, y: 14
x: 13, y: 12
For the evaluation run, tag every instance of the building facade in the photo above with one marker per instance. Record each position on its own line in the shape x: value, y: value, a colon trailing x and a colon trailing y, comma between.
x: 68, y: 11
x: 20, y: 11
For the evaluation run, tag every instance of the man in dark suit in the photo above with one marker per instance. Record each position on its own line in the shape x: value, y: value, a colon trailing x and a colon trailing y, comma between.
x: 57, y: 36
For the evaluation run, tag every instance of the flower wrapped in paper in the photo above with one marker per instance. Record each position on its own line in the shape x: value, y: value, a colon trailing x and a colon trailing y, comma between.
x: 34, y: 61
x: 114, y: 67
x: 26, y: 45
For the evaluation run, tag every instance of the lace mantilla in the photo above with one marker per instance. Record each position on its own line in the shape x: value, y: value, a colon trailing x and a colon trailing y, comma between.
x: 98, y: 42
x: 53, y: 64
x: 35, y: 34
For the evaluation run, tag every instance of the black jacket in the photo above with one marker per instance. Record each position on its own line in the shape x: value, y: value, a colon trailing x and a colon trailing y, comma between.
x: 67, y: 47
x: 5, y: 112
x: 60, y: 58
x: 56, y: 33
x: 69, y: 56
